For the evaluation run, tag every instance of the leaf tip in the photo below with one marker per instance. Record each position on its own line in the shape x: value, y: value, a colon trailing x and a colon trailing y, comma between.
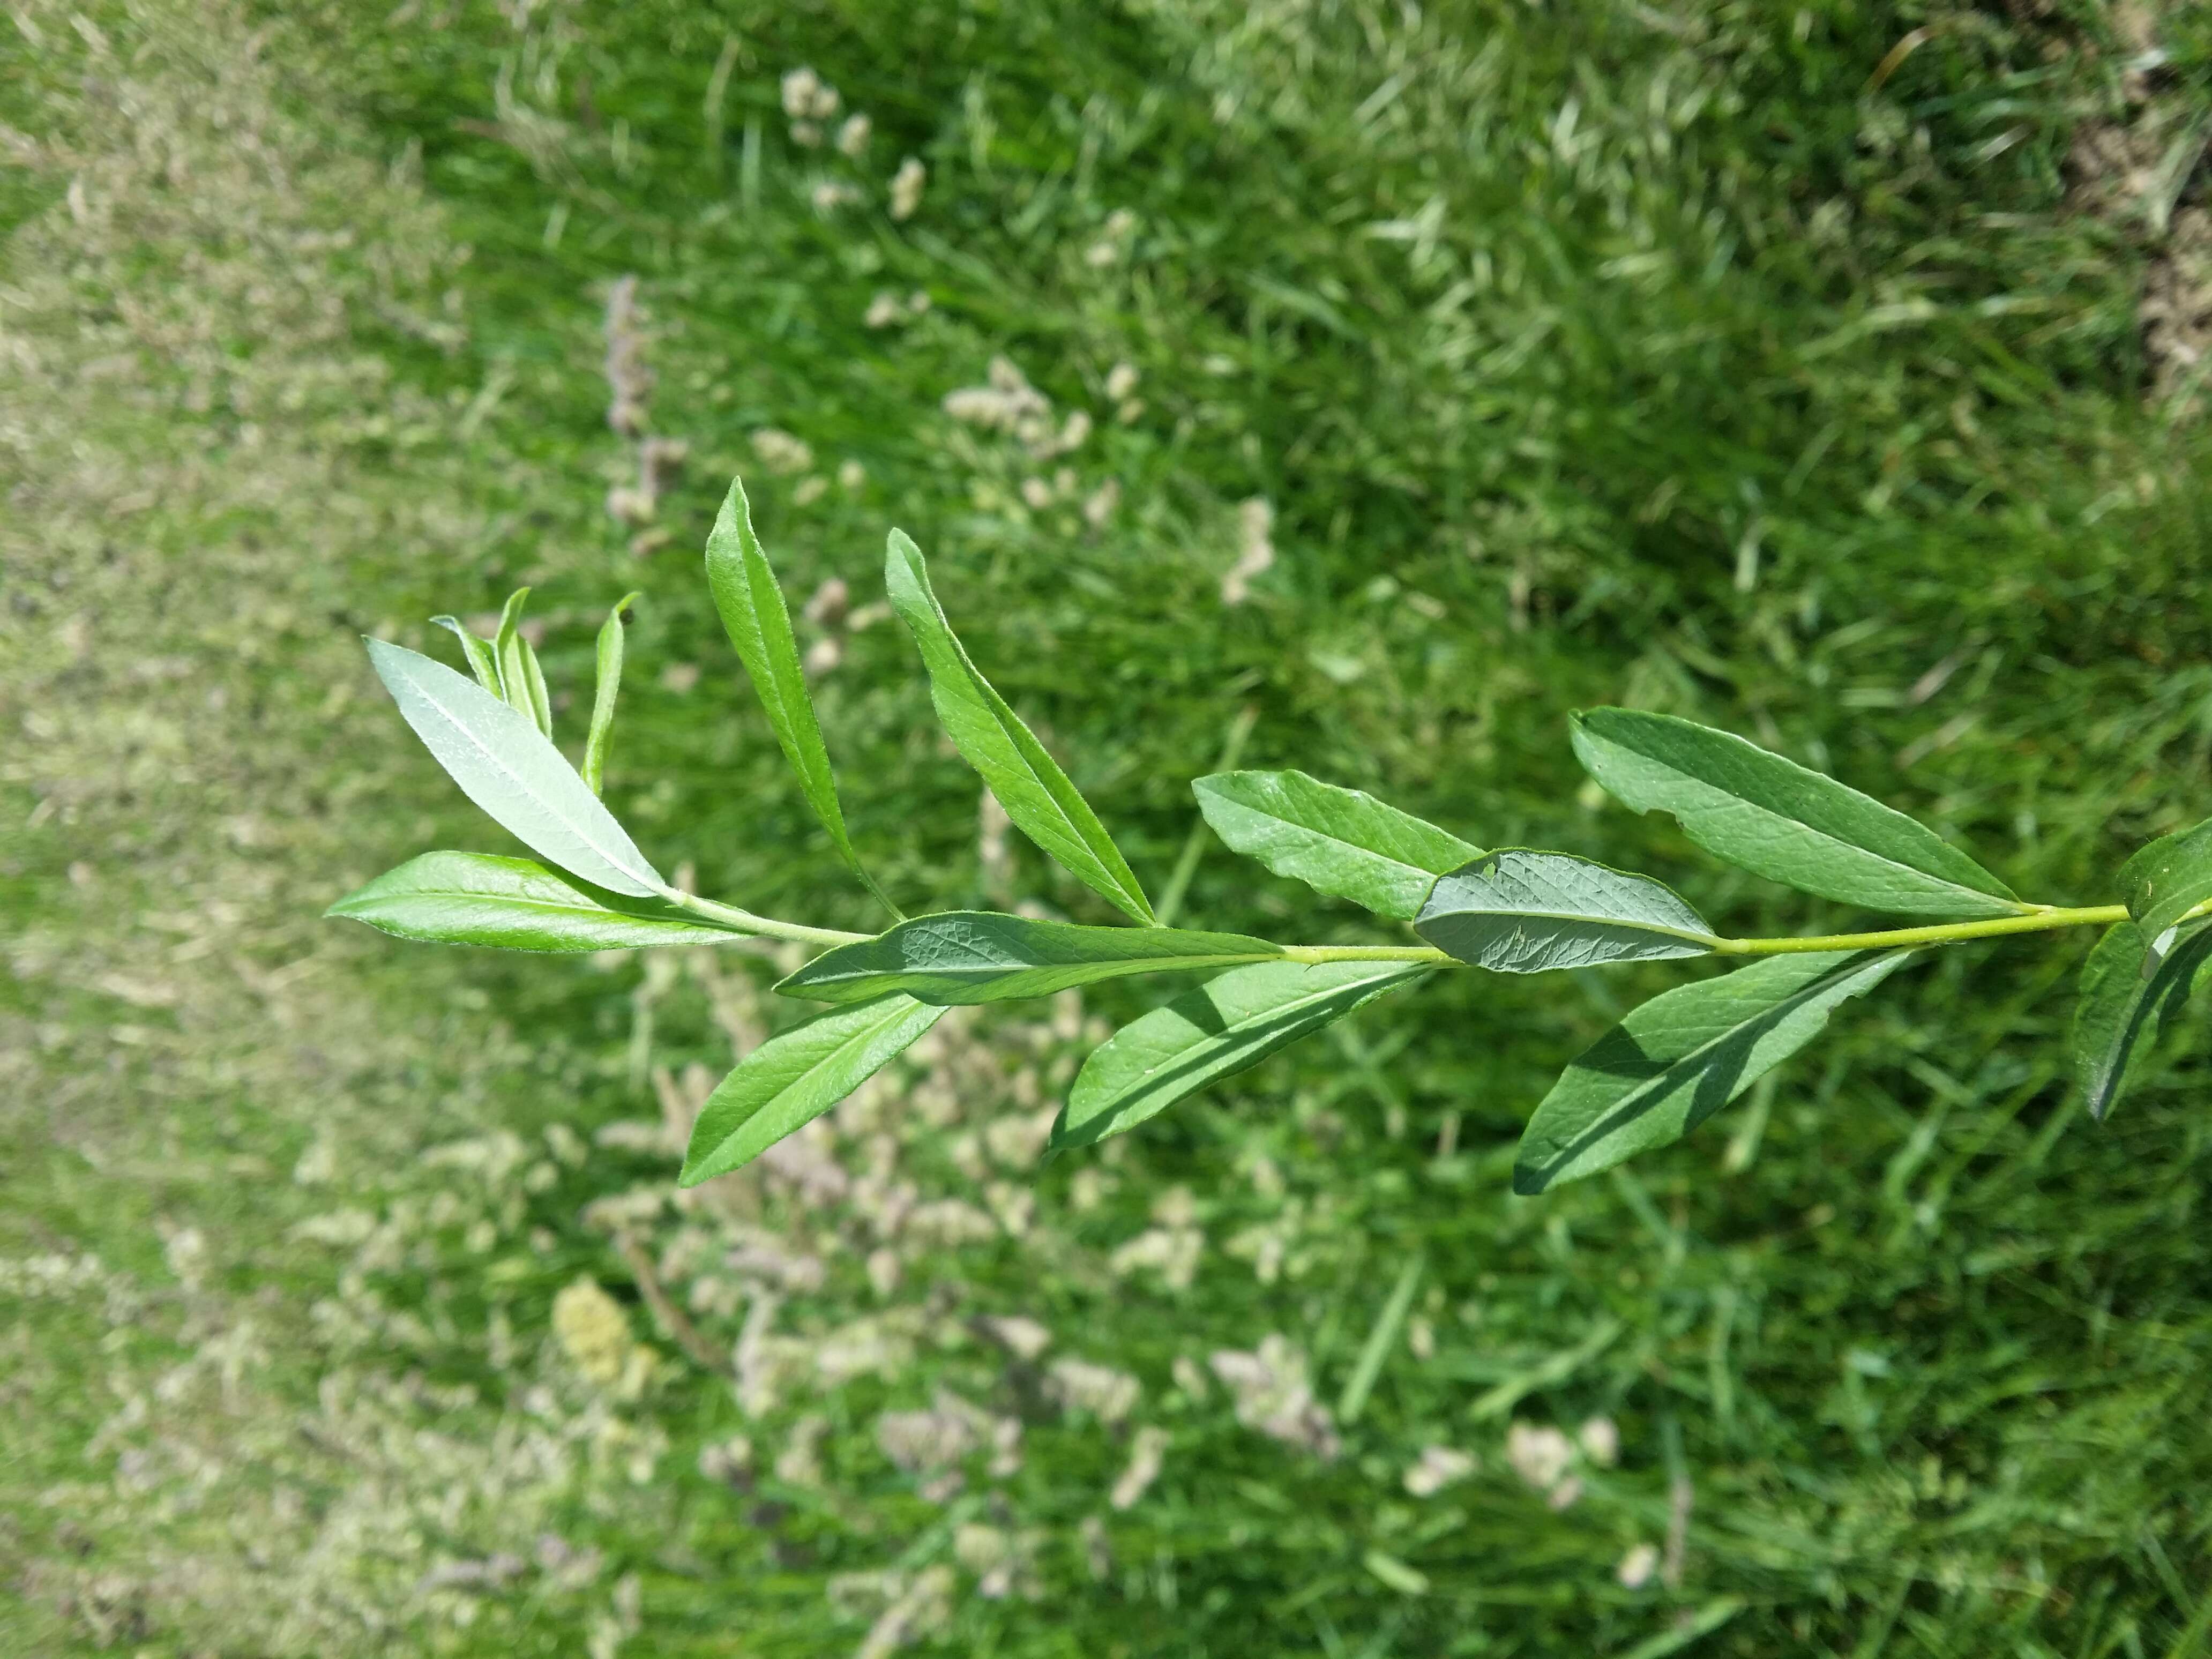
x: 1530, y: 1180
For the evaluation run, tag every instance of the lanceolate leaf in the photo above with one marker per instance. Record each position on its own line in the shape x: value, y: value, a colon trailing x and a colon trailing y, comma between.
x: 1343, y: 842
x: 1038, y: 795
x: 1522, y: 912
x: 1777, y: 819
x: 520, y: 682
x: 511, y: 769
x: 976, y: 956
x: 790, y: 1080
x: 1227, y: 1024
x: 759, y: 624
x: 2168, y: 878
x: 512, y: 904
x: 1679, y: 1058
x: 482, y: 663
x: 2126, y: 998
x: 605, y: 690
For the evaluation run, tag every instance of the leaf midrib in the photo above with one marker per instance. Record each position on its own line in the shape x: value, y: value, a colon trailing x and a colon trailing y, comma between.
x: 1337, y: 841
x: 596, y: 912
x: 1657, y: 1081
x: 1827, y: 837
x: 580, y: 831
x: 1686, y: 934
x: 1257, y: 1024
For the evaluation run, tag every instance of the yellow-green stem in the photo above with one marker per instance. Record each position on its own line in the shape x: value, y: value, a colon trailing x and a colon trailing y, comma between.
x: 744, y: 921
x: 1948, y: 932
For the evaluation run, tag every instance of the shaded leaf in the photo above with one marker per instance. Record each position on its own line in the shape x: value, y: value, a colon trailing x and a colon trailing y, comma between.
x: 2127, y: 994
x: 482, y: 663
x: 521, y: 685
x: 606, y: 688
x: 759, y: 625
x: 2168, y: 878
x: 1778, y: 819
x: 1227, y: 1024
x: 792, y: 1079
x: 1523, y: 912
x: 1340, y: 842
x: 511, y: 769
x: 514, y: 904
x: 981, y: 956
x: 1028, y: 783
x: 1679, y: 1058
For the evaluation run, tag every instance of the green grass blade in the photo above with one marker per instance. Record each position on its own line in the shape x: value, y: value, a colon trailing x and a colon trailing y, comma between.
x: 2168, y: 878
x: 1522, y: 912
x: 607, y: 686
x: 1043, y: 804
x: 758, y: 623
x: 1380, y: 1340
x: 514, y: 904
x: 1778, y: 819
x: 2125, y: 997
x: 511, y: 769
x: 968, y: 956
x: 792, y: 1079
x: 521, y: 682
x: 1683, y: 1055
x: 1340, y: 842
x: 1229, y: 1024
x: 482, y: 663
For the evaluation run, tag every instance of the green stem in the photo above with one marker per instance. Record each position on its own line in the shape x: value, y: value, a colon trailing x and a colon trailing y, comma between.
x: 2041, y: 921
x: 744, y: 921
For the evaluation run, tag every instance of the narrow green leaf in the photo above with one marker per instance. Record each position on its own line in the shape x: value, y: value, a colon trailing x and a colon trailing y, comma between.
x: 541, y: 705
x: 1522, y: 912
x: 1227, y: 1024
x: 482, y: 663
x: 1343, y: 842
x: 607, y: 688
x: 1679, y: 1058
x: 759, y: 624
x: 2168, y: 878
x: 1777, y: 819
x: 514, y: 904
x: 511, y: 769
x: 982, y: 956
x: 2130, y: 992
x: 790, y: 1080
x: 521, y: 682
x: 1028, y: 783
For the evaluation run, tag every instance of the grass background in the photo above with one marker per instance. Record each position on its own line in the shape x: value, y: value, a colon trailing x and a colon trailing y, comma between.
x: 1822, y: 372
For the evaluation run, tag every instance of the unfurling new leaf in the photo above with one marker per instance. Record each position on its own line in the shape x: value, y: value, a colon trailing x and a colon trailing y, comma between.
x: 2128, y: 994
x: 1340, y: 842
x: 511, y: 769
x: 520, y: 681
x: 512, y: 904
x: 607, y: 688
x: 980, y: 956
x: 1043, y: 804
x: 1522, y: 912
x: 758, y: 623
x: 1777, y: 819
x: 792, y: 1079
x: 482, y: 663
x: 1680, y: 1057
x: 1219, y: 1029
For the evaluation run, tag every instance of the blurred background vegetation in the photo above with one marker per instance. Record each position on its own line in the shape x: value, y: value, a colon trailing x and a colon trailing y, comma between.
x: 1405, y: 376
